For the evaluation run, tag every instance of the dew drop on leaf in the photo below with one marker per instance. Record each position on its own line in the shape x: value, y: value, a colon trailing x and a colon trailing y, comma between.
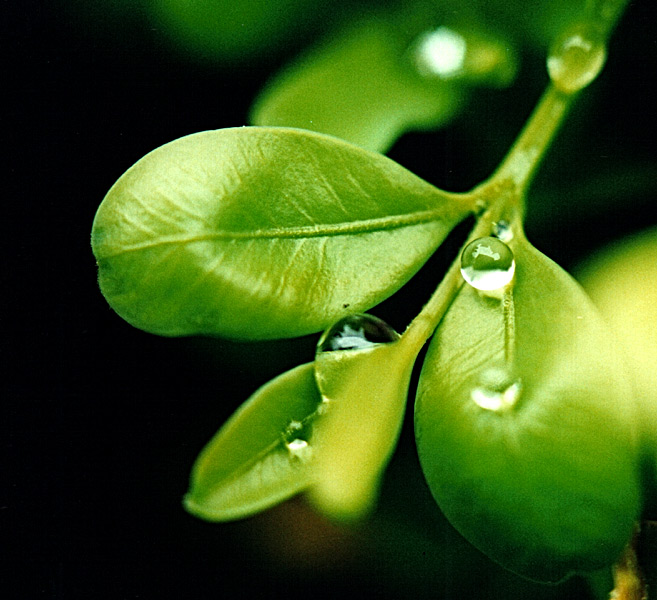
x: 497, y: 390
x: 356, y: 332
x: 487, y: 264
x: 576, y: 58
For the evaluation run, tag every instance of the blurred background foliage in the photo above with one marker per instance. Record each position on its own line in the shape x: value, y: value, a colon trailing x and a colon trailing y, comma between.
x: 105, y: 421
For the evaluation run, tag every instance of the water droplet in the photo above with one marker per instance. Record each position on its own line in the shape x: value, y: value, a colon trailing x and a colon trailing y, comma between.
x: 576, y: 58
x: 355, y: 332
x: 502, y: 230
x: 497, y: 390
x: 441, y: 53
x: 487, y: 264
x: 299, y: 449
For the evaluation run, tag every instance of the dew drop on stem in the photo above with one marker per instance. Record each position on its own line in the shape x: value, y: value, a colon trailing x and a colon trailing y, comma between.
x: 487, y: 264
x: 576, y: 58
x: 356, y: 332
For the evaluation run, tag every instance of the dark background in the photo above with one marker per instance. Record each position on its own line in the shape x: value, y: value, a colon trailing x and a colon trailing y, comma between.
x: 102, y: 422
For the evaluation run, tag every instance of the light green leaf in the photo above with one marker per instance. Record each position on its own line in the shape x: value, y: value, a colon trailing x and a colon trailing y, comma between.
x: 259, y: 233
x: 365, y: 392
x: 547, y: 483
x: 262, y: 455
x: 359, y: 86
x: 622, y: 282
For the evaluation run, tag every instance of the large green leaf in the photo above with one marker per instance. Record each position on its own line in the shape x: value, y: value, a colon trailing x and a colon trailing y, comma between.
x: 259, y: 233
x: 547, y: 485
x: 262, y: 455
x: 358, y: 86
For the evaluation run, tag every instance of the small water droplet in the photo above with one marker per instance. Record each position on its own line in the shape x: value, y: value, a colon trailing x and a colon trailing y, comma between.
x: 487, y: 264
x: 299, y: 449
x: 576, y: 58
x: 497, y: 390
x: 503, y: 231
x: 355, y: 332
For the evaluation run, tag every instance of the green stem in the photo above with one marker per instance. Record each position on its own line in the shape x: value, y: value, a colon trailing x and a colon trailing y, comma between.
x: 521, y: 162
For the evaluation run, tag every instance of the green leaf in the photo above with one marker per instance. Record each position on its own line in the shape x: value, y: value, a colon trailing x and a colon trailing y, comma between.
x: 546, y: 485
x: 231, y: 31
x: 358, y: 86
x: 365, y: 391
x: 621, y: 282
x: 262, y: 455
x: 259, y: 233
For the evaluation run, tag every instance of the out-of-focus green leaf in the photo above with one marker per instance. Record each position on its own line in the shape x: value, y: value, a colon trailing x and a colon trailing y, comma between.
x: 549, y: 484
x: 260, y: 233
x: 262, y: 455
x: 384, y: 75
x: 360, y: 87
x: 227, y: 30
x: 622, y: 282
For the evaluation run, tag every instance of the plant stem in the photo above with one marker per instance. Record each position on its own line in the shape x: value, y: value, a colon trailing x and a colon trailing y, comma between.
x: 521, y: 162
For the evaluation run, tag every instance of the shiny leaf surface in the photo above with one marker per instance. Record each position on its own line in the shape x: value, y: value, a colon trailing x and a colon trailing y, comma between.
x: 262, y: 455
x: 545, y: 482
x: 258, y: 233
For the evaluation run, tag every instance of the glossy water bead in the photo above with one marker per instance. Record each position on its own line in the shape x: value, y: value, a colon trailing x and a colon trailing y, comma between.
x: 487, y: 264
x: 355, y: 332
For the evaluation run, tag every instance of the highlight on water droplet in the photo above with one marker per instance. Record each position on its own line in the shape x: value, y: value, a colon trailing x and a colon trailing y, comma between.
x: 502, y: 230
x: 576, y: 58
x: 356, y: 332
x: 497, y: 390
x: 299, y: 449
x: 440, y: 53
x: 487, y: 264
x: 464, y: 54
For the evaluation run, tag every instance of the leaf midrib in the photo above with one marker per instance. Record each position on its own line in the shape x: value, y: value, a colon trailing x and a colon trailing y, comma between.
x: 309, y: 231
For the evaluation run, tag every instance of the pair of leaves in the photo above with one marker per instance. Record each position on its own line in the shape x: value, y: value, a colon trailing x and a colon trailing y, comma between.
x: 550, y: 485
x: 263, y: 233
x: 327, y: 427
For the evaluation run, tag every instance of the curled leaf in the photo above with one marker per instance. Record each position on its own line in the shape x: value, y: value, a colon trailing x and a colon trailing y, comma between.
x: 262, y: 455
x: 259, y: 233
x: 365, y: 390
x: 534, y: 462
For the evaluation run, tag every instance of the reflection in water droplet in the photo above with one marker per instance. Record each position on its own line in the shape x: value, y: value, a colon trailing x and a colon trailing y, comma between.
x: 355, y: 332
x: 441, y: 53
x: 497, y: 390
x: 503, y: 231
x: 487, y: 264
x: 576, y: 58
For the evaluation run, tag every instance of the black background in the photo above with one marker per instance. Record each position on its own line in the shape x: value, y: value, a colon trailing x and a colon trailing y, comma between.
x: 102, y: 422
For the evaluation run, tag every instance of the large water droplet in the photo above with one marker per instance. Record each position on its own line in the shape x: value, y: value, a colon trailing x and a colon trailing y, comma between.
x: 497, y: 390
x: 355, y: 332
x: 487, y: 264
x: 576, y: 58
